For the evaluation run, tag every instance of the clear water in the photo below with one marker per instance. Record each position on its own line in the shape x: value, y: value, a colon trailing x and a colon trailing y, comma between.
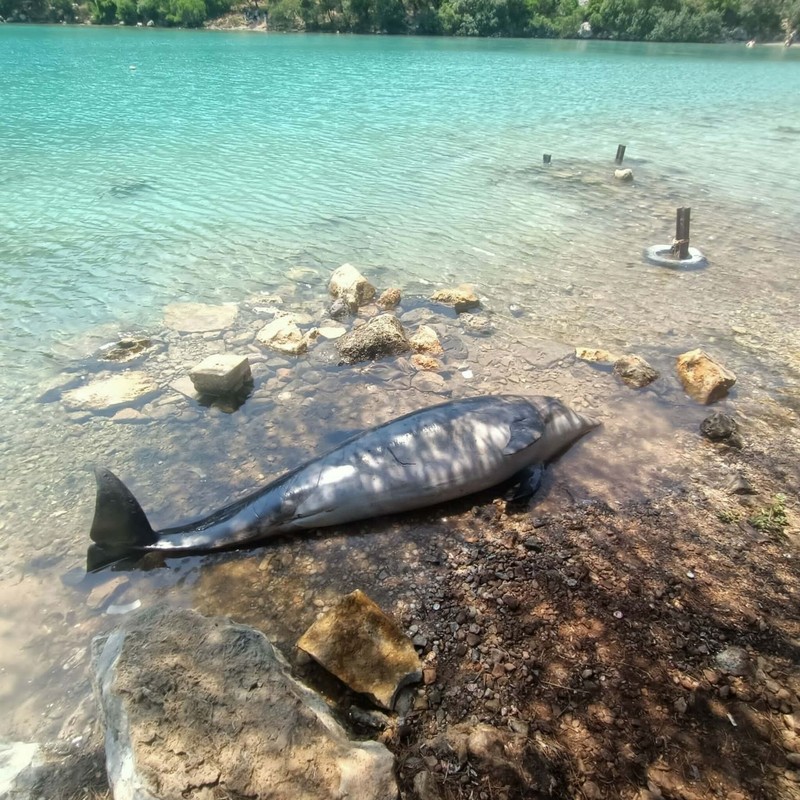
x: 141, y: 167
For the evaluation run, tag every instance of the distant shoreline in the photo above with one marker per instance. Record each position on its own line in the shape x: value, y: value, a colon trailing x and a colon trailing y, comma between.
x: 261, y: 28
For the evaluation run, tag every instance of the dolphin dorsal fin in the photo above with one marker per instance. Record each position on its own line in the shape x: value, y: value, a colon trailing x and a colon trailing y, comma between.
x: 120, y: 527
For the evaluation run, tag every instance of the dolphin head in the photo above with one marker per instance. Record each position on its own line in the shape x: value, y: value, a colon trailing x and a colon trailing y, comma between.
x: 562, y: 426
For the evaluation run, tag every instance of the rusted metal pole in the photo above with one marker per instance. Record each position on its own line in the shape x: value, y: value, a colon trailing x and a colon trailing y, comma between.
x: 682, y: 232
x: 620, y: 153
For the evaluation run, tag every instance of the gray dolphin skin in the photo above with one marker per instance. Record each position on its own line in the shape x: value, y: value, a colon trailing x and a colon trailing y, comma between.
x: 420, y: 459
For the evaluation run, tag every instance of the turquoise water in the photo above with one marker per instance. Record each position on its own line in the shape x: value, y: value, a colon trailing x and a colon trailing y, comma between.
x: 143, y: 167
x: 224, y: 157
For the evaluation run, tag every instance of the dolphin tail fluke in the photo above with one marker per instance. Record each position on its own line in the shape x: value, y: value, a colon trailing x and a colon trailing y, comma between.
x: 120, y: 528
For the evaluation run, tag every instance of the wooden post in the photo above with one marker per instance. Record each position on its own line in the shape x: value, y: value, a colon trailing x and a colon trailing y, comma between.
x: 546, y: 158
x: 682, y: 232
x: 620, y: 153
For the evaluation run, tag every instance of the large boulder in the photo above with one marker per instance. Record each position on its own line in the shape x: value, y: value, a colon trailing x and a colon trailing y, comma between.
x: 364, y: 648
x: 196, y: 707
x: 704, y: 379
x: 381, y: 336
x: 348, y: 284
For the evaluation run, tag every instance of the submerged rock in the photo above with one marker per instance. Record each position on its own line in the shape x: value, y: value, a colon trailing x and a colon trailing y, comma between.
x: 348, y: 284
x: 634, y: 371
x: 704, y: 379
x: 108, y: 393
x: 127, y: 348
x: 426, y: 340
x: 199, y: 317
x: 596, y: 355
x: 390, y: 299
x: 462, y: 298
x: 191, y: 702
x: 425, y: 362
x: 379, y: 337
x: 364, y: 648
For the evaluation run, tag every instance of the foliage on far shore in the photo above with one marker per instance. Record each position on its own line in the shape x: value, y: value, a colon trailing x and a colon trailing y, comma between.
x: 640, y: 20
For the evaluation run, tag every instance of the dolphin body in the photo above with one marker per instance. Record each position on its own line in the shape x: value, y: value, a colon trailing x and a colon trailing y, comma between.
x: 420, y: 459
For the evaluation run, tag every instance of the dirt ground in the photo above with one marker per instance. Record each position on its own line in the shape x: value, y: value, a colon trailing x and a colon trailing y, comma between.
x: 644, y: 651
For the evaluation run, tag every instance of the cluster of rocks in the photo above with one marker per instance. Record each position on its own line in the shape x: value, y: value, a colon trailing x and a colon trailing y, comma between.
x: 195, y: 705
x: 704, y: 379
x: 358, y: 326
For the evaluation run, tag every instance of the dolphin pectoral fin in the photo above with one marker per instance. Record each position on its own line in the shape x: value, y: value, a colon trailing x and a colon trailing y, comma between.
x: 523, y: 433
x: 120, y: 527
x: 527, y: 482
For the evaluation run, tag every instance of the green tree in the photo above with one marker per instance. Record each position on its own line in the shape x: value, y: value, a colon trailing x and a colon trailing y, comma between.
x: 469, y: 17
x: 127, y: 12
x: 286, y: 15
x: 103, y: 12
x: 390, y: 16
x: 187, y: 13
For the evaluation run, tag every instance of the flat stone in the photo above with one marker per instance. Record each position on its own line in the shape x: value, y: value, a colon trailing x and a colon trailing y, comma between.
x: 130, y: 416
x: 623, y: 174
x: 704, y: 379
x: 348, y: 284
x: 114, y: 391
x: 462, y: 298
x: 596, y: 355
x: 199, y: 317
x: 332, y: 331
x: 364, y: 648
x: 221, y: 373
x: 184, y: 386
x: 427, y: 381
x: 190, y: 701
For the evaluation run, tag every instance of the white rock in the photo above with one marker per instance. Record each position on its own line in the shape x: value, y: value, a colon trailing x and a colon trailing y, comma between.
x: 623, y: 174
x: 349, y: 284
x: 282, y: 334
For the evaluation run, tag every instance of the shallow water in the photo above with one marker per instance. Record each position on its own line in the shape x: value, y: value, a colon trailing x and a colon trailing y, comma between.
x: 229, y: 165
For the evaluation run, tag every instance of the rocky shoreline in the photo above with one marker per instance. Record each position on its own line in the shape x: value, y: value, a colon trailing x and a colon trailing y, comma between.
x: 583, y: 648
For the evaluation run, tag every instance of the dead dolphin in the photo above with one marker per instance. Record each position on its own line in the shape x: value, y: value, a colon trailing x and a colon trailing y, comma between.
x: 420, y: 459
